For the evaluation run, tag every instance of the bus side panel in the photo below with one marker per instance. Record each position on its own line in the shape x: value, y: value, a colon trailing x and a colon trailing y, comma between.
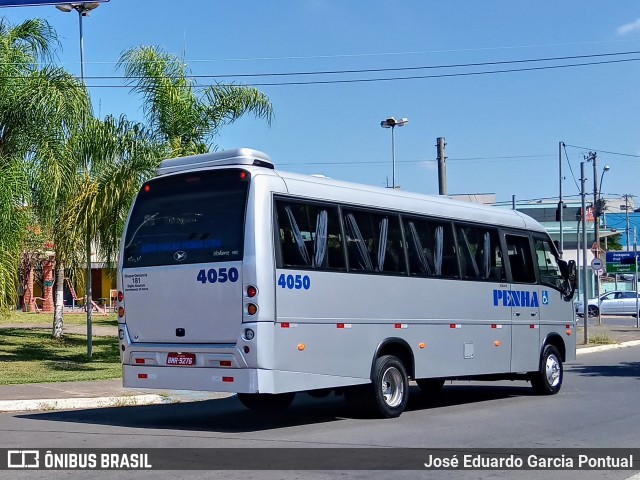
x: 347, y: 316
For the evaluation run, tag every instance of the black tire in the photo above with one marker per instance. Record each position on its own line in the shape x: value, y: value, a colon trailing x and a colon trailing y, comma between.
x: 592, y: 311
x: 390, y: 387
x: 430, y: 385
x: 266, y: 401
x: 548, y: 379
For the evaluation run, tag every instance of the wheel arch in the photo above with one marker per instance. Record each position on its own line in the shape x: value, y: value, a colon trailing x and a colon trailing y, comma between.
x: 399, y: 348
x: 556, y: 340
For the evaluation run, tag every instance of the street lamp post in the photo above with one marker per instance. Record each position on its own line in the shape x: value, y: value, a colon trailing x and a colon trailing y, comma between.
x: 392, y: 123
x: 83, y: 9
x: 598, y: 208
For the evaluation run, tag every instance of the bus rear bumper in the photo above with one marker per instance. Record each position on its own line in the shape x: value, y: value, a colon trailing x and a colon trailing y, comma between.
x: 245, y: 380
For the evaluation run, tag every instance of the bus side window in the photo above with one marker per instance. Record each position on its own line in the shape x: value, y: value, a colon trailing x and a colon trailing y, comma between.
x: 310, y: 236
x: 374, y: 242
x: 480, y: 253
x: 520, y: 260
x: 430, y: 248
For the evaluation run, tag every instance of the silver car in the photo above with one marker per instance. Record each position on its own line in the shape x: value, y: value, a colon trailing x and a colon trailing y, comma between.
x: 612, y: 303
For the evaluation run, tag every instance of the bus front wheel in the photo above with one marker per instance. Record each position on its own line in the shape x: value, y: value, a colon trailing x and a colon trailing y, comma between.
x: 548, y: 379
x: 266, y: 401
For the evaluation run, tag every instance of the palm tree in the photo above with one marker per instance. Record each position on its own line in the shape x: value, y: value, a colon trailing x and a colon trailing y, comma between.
x: 187, y: 122
x: 111, y: 158
x: 38, y: 106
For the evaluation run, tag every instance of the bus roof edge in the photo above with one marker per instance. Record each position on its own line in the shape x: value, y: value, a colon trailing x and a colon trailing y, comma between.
x: 236, y: 156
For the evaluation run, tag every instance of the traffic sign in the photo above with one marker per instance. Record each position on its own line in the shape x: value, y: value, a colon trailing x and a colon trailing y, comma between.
x: 596, y: 264
x: 621, y: 262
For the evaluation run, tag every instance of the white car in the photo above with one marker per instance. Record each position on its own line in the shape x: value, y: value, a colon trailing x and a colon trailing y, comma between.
x: 612, y: 303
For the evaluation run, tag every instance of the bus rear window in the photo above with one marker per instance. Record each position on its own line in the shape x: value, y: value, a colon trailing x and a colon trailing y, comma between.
x: 188, y: 218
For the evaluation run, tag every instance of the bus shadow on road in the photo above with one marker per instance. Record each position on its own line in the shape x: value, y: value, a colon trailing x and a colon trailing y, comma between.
x: 227, y: 415
x: 625, y: 369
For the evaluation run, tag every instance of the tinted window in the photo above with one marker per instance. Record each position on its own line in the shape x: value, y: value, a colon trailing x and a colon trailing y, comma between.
x: 189, y: 218
x: 430, y: 247
x: 520, y: 261
x: 479, y: 253
x: 374, y: 242
x: 309, y: 236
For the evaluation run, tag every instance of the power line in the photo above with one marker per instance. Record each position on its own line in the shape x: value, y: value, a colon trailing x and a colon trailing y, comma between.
x: 605, y: 151
x: 453, y: 159
x: 380, y: 70
x: 564, y: 146
x: 381, y: 79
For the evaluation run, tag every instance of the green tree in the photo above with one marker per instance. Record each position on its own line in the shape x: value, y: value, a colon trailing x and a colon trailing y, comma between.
x: 38, y: 106
x: 185, y: 120
x: 110, y: 159
x: 613, y: 242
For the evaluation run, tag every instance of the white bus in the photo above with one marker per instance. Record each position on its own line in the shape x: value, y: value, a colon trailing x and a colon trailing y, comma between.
x: 236, y: 277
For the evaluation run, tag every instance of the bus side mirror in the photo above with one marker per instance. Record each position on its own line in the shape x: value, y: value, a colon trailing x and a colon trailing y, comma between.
x: 569, y: 273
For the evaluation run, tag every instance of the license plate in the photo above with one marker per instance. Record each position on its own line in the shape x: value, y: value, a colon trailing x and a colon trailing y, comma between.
x: 181, y: 359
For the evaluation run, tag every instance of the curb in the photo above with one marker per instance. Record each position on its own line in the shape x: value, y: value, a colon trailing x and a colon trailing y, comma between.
x: 77, y: 403
x: 602, y: 348
x: 50, y: 404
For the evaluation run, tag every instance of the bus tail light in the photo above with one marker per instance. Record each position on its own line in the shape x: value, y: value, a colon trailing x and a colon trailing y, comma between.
x: 252, y: 308
x: 120, y: 296
x: 251, y: 291
x: 121, y: 312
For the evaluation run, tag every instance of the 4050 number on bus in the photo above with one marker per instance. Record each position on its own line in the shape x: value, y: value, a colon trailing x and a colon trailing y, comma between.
x: 297, y: 282
x: 218, y: 275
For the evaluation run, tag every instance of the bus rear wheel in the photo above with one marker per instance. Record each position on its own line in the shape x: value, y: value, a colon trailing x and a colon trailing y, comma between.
x: 266, y: 401
x: 390, y: 387
x: 548, y: 379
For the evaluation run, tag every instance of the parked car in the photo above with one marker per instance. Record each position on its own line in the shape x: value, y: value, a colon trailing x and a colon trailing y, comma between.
x: 611, y: 303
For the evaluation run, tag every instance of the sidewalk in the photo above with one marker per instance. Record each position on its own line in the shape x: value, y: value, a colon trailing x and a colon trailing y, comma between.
x: 110, y: 393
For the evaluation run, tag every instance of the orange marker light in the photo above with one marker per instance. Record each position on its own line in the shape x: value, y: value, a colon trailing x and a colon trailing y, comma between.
x: 121, y: 312
x: 301, y: 346
x: 422, y: 345
x: 568, y: 331
x: 497, y: 343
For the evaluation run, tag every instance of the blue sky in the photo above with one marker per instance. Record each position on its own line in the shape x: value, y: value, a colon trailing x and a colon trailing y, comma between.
x: 502, y: 130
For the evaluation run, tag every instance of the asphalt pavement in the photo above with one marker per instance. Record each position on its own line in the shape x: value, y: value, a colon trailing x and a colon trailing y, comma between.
x: 110, y: 393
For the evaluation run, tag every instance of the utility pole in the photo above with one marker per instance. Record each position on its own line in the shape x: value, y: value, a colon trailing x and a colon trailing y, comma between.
x: 593, y: 158
x: 635, y: 280
x: 560, y: 205
x: 583, y: 180
x: 626, y: 211
x: 442, y: 166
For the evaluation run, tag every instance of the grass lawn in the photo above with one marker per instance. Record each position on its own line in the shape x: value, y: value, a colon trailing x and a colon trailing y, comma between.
x: 32, y: 356
x: 14, y: 318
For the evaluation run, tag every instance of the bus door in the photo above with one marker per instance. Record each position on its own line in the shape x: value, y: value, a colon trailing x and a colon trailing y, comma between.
x: 525, y: 304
